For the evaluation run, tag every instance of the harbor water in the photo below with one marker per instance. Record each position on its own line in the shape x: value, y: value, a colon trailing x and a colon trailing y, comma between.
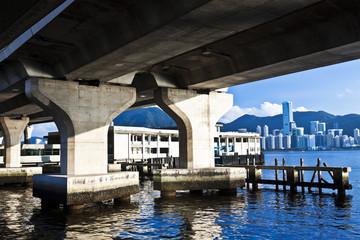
x: 264, y: 214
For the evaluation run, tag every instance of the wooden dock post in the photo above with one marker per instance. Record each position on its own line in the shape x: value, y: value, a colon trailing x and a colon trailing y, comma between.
x: 302, y: 175
x: 284, y: 178
x: 319, y: 175
x: 341, y: 181
x: 292, y: 179
x: 254, y: 176
x: 247, y: 173
x: 276, y: 175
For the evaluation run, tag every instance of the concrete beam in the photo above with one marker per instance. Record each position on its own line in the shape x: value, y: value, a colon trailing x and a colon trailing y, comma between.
x: 13, y: 130
x: 82, y: 114
x: 195, y: 115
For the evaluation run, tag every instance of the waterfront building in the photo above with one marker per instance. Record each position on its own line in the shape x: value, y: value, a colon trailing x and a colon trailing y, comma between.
x: 287, y: 142
x: 301, y: 142
x: 270, y: 142
x: 322, y: 127
x: 287, y: 117
x: 314, y: 127
x: 311, y: 143
x: 357, y: 135
x: 279, y: 141
x: 258, y: 130
x: 138, y: 143
x: 266, y: 131
x: 263, y: 143
x: 298, y: 131
x: 335, y: 132
x: 242, y: 130
x: 276, y: 132
x: 329, y: 140
x: 337, y: 142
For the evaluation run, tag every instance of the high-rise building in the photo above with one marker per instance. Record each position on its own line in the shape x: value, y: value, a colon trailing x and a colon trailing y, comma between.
x: 356, y: 133
x: 314, y: 127
x: 287, y: 141
x: 322, y: 127
x: 276, y: 132
x: 266, y: 131
x: 287, y: 117
x: 279, y: 141
x: 258, y: 130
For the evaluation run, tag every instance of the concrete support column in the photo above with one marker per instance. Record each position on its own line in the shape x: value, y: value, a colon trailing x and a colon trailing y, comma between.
x: 82, y: 114
x: 143, y: 145
x: 195, y: 115
x: 27, y: 134
x: 227, y: 146
x: 13, y: 130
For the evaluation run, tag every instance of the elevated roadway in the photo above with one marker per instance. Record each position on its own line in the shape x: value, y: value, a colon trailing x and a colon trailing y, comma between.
x: 201, y: 45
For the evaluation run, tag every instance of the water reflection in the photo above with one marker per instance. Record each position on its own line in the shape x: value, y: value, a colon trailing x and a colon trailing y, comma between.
x: 261, y: 214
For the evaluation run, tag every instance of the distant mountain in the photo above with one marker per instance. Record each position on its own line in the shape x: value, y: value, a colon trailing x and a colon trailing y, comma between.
x: 154, y: 117
x: 302, y: 119
x: 151, y: 117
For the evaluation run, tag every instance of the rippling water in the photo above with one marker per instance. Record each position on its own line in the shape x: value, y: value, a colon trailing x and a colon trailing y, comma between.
x: 264, y: 214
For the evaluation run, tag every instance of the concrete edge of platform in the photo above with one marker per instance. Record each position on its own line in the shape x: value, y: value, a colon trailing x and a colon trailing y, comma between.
x: 81, y: 189
x: 199, y: 179
x: 19, y: 174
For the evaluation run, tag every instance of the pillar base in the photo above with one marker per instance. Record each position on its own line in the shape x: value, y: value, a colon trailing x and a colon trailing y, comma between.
x: 19, y: 175
x: 81, y: 189
x: 167, y: 180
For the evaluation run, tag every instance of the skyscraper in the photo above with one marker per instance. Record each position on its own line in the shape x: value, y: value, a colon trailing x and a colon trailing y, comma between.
x: 258, y: 130
x: 287, y: 117
x: 266, y: 131
x: 314, y: 127
x: 322, y: 127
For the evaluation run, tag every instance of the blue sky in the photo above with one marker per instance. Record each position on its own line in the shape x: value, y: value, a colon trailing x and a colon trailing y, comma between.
x: 334, y: 89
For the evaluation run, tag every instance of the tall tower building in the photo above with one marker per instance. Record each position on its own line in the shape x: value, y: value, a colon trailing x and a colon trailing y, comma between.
x: 258, y: 130
x: 322, y: 127
x: 314, y: 127
x: 266, y: 131
x: 356, y: 134
x: 287, y: 117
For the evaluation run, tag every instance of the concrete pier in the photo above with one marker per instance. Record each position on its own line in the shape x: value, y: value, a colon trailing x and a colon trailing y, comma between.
x: 170, y: 180
x: 195, y: 115
x: 82, y: 114
x: 81, y: 189
x: 13, y: 172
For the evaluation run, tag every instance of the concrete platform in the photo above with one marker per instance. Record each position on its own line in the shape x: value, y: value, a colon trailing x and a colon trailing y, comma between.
x: 169, y: 180
x: 80, y: 189
x: 18, y: 174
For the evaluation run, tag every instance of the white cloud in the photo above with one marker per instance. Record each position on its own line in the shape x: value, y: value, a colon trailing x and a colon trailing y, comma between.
x: 301, y: 109
x: 266, y: 109
x: 42, y: 129
x: 348, y: 90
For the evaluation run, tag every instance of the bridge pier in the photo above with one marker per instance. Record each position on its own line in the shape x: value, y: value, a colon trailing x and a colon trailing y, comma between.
x: 13, y: 172
x: 196, y: 115
x: 82, y: 114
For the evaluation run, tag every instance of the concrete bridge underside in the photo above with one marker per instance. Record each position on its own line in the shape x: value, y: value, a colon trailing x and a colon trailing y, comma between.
x: 88, y: 61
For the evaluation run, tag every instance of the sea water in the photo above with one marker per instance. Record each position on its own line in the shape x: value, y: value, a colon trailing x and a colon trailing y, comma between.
x: 262, y: 214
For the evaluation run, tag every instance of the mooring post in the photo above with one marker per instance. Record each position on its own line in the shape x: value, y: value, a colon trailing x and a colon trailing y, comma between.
x: 341, y: 181
x: 319, y: 174
x: 254, y: 176
x: 247, y: 173
x: 302, y: 175
x: 284, y: 179
x: 276, y: 175
x: 292, y: 179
